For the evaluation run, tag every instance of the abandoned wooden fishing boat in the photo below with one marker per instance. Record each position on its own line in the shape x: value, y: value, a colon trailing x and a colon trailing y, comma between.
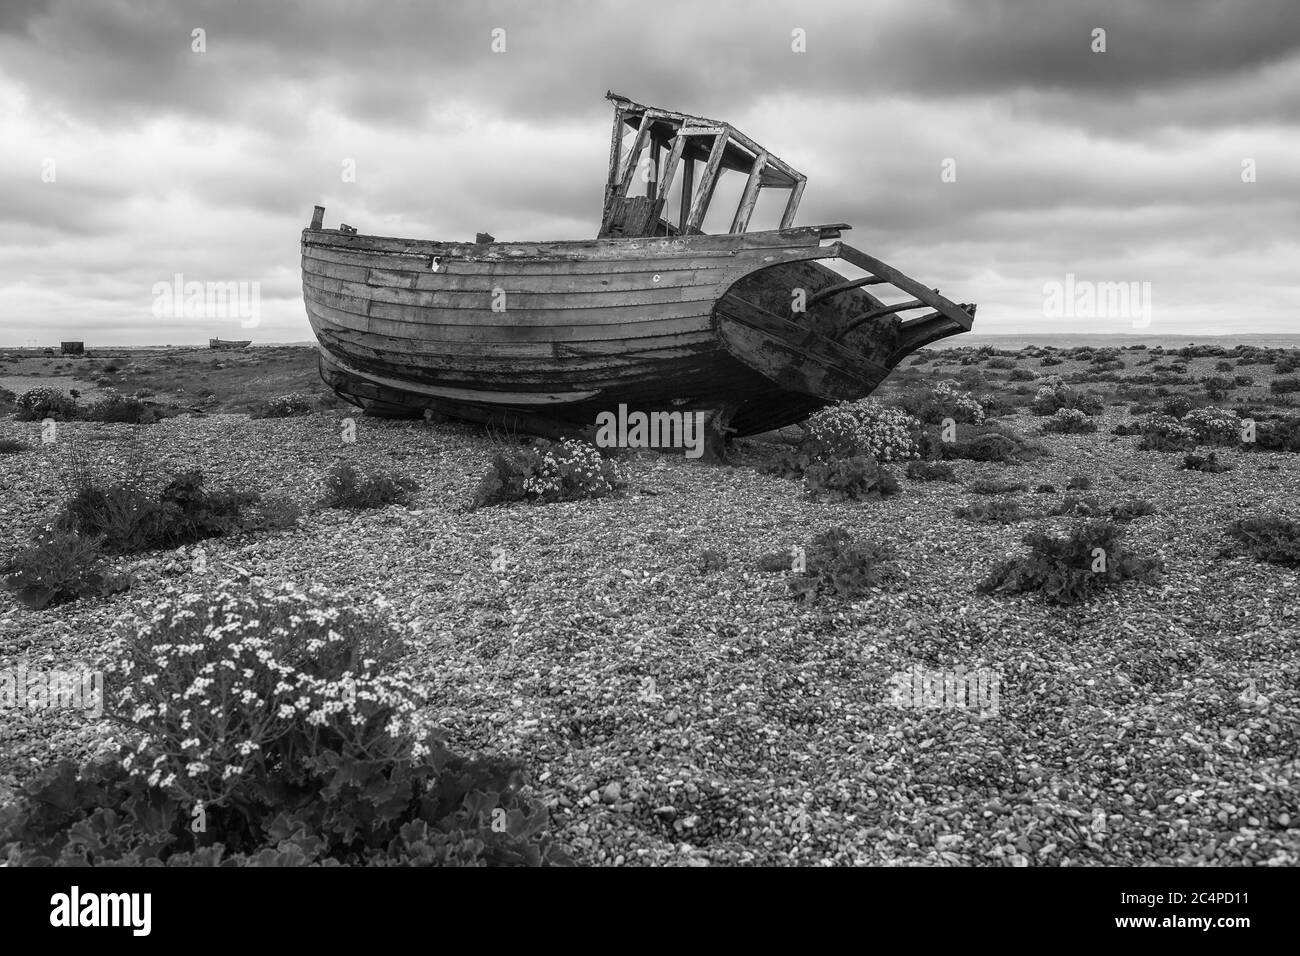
x: 229, y: 343
x: 751, y: 328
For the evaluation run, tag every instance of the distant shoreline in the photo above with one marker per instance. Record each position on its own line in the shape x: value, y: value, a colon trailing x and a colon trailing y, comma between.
x: 1060, y: 340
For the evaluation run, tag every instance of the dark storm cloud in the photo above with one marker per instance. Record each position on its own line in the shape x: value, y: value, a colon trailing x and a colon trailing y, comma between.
x: 1123, y: 164
x: 393, y: 62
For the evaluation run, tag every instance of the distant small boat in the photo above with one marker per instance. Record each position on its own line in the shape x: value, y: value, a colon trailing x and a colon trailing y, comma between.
x: 541, y: 337
x: 229, y: 344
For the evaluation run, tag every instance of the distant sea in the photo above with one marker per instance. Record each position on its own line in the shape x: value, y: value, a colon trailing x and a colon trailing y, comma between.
x: 1068, y: 340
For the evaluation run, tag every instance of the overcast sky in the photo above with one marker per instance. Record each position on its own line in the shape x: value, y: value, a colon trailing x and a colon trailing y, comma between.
x: 127, y: 157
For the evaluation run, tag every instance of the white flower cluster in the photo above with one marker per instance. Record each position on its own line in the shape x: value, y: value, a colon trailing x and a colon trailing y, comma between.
x: 1071, y: 415
x: 865, y: 427
x: 573, y: 468
x: 965, y: 408
x: 212, y: 689
x: 1214, y: 424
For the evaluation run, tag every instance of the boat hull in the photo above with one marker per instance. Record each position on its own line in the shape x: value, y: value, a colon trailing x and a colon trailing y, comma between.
x: 545, y: 336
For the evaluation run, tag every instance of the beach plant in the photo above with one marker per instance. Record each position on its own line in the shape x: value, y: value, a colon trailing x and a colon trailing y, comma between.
x: 849, y: 479
x: 837, y: 566
x: 1070, y: 568
x: 997, y: 486
x: 1166, y: 433
x: 930, y: 471
x: 58, y: 567
x: 864, y: 427
x: 1053, y: 396
x: 38, y: 404
x: 346, y: 487
x: 1268, y: 538
x: 1278, y: 434
x: 942, y: 400
x: 1219, y: 426
x: 289, y: 728
x: 546, y: 472
x: 990, y: 441
x: 292, y: 405
x: 1069, y: 421
x: 992, y: 511
x: 1210, y: 463
x: 1284, y: 386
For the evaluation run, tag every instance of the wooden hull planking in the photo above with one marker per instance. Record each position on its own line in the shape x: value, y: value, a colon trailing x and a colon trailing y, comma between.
x: 543, y: 336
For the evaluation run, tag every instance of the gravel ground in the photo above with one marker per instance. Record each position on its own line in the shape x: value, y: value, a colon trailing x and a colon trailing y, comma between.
x: 673, y: 716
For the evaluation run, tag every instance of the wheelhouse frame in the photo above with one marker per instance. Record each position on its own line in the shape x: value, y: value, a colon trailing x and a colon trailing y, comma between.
x: 674, y: 140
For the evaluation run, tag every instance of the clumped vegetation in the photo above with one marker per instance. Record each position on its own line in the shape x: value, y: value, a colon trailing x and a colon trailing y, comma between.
x: 850, y: 479
x: 1166, y: 433
x: 292, y: 405
x: 1278, y: 434
x: 997, y: 486
x: 1054, y: 396
x: 1069, y: 421
x: 931, y: 404
x: 287, y: 727
x: 38, y: 404
x: 545, y: 472
x: 1070, y: 568
x: 11, y: 446
x: 993, y: 511
x: 1268, y: 538
x: 59, y: 567
x: 987, y: 442
x: 930, y: 471
x: 127, y: 515
x: 837, y: 566
x: 345, y: 487
x: 1210, y: 463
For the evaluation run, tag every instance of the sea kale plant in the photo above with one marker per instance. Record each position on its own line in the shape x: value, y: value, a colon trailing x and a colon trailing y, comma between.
x: 266, y: 727
x: 863, y: 427
x: 1069, y: 569
x: 835, y: 565
x: 546, y: 472
x: 1055, y: 395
